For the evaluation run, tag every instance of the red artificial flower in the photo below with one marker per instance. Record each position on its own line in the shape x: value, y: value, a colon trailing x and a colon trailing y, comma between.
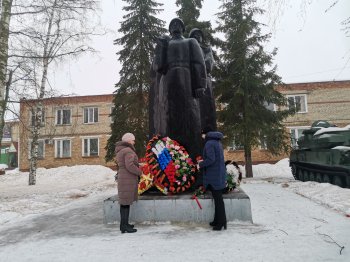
x: 142, y: 185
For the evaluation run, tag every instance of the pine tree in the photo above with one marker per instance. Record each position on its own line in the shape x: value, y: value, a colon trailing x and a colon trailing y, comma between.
x: 189, y: 12
x: 246, y: 83
x: 140, y: 29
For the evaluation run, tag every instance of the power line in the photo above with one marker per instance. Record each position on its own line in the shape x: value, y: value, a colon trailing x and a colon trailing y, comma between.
x: 341, y: 71
x: 319, y: 72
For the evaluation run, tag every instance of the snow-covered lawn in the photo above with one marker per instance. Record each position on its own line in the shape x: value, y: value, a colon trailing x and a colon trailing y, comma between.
x: 60, y: 219
x: 323, y: 193
x: 55, y: 187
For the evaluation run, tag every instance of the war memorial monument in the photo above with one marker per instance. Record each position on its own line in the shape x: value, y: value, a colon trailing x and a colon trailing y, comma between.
x: 181, y: 103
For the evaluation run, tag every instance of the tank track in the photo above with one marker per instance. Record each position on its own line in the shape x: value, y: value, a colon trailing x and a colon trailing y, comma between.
x: 319, y: 174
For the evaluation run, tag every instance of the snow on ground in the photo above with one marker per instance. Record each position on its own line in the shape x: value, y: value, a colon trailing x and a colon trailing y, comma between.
x: 3, y: 166
x: 326, y: 194
x: 279, y: 170
x: 55, y: 187
x: 61, y: 219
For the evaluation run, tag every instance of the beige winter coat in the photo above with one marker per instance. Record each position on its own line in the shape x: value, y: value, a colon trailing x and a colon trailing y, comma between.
x: 128, y: 172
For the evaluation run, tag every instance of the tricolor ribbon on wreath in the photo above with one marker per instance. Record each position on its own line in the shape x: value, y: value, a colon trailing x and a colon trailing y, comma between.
x: 168, y: 165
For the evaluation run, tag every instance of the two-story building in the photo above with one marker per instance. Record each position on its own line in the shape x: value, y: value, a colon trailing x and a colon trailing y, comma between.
x: 329, y: 100
x: 9, y: 144
x: 74, y: 131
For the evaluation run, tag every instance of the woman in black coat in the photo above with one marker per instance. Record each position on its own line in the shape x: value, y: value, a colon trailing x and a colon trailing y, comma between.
x: 214, y: 174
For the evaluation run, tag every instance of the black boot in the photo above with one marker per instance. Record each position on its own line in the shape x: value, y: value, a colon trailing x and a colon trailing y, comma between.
x: 128, y: 212
x: 220, y: 213
x: 124, y: 217
x: 215, y: 221
x: 218, y: 227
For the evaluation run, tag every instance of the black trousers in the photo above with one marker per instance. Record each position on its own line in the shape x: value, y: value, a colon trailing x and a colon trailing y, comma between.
x: 124, y: 215
x: 220, y: 213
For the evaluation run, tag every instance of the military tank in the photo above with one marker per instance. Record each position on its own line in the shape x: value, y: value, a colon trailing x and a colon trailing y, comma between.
x: 323, y: 155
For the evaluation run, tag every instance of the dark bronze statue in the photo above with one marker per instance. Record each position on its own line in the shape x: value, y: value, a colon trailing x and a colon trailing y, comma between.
x: 179, y: 79
x: 207, y: 102
x: 157, y: 101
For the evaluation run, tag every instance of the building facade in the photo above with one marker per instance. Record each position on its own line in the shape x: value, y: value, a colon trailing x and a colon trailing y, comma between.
x: 74, y: 131
x: 9, y: 144
x: 328, y: 101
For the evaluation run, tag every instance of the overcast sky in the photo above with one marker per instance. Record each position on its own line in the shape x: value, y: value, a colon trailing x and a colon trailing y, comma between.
x: 311, y: 46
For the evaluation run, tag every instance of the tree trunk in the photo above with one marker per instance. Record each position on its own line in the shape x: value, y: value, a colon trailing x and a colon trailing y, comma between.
x: 34, y: 147
x: 4, y: 40
x: 246, y: 113
x: 248, y: 162
x: 38, y: 108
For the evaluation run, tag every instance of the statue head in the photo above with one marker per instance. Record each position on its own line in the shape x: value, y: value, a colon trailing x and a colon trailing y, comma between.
x: 176, y: 26
x: 196, y: 34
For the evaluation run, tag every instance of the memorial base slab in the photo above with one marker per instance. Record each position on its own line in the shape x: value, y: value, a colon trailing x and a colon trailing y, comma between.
x: 153, y: 207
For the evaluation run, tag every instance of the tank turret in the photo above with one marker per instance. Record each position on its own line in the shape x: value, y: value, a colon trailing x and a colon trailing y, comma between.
x: 323, y: 154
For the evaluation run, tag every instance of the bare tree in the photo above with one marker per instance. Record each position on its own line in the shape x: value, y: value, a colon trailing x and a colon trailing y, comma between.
x: 46, y: 33
x: 5, y: 81
x: 276, y: 9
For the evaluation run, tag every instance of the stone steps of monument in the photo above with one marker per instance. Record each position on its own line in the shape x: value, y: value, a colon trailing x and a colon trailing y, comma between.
x: 154, y: 207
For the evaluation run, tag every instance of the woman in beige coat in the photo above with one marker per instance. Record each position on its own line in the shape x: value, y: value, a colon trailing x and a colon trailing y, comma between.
x: 128, y: 174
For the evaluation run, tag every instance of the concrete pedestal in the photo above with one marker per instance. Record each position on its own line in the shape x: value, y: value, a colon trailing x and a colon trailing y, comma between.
x: 155, y: 207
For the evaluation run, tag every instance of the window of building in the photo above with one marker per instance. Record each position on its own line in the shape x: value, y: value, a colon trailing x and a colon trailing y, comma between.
x: 32, y: 116
x: 41, y: 149
x: 90, y: 146
x: 295, y: 133
x: 235, y: 146
x: 270, y: 106
x: 297, y: 101
x: 63, y: 116
x: 263, y: 143
x: 90, y: 115
x: 62, y: 148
